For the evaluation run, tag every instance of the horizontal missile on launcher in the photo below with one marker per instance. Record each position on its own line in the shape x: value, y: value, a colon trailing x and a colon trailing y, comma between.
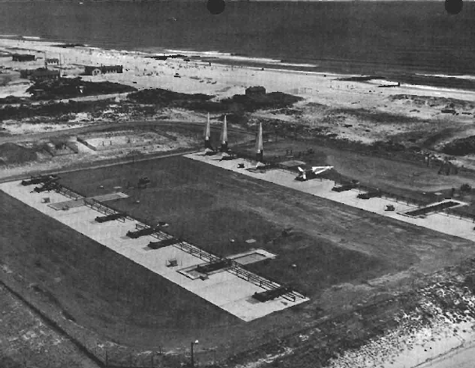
x: 312, y: 173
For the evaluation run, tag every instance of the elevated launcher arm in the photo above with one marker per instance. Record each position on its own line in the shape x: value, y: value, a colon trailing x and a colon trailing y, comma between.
x: 39, y: 179
x: 211, y: 267
x: 142, y: 232
x: 267, y: 295
x: 111, y: 217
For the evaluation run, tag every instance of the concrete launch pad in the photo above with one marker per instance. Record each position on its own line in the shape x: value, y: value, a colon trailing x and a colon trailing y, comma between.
x: 252, y: 256
x: 438, y: 221
x: 224, y: 289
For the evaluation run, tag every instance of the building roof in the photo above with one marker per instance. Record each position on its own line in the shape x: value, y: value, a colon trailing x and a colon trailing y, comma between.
x: 44, y: 72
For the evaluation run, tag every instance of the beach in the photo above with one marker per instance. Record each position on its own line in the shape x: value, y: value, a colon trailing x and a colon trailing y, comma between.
x: 222, y: 81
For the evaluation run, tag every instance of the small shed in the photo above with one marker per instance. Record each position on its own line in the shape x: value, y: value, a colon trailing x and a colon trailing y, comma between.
x: 255, y: 91
x: 52, y: 61
x: 44, y: 74
x: 39, y: 74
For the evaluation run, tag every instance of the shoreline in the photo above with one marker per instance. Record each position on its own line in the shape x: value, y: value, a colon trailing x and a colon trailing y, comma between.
x: 328, y: 68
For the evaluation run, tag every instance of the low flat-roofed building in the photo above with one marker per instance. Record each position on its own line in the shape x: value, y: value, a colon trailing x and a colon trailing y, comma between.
x: 255, y: 91
x: 43, y: 73
x: 39, y: 74
x: 103, y: 69
x: 23, y: 57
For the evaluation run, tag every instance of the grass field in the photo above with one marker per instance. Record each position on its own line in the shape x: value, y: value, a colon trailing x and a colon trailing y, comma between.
x: 331, y: 244
x: 25, y: 337
x: 208, y: 207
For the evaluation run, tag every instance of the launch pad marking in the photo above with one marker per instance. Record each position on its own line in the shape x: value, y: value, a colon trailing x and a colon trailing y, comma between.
x: 80, y: 202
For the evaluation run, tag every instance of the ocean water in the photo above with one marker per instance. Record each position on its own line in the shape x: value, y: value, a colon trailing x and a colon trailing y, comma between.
x: 369, y: 37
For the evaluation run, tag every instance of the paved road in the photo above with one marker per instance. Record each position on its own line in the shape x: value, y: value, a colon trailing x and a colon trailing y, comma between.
x: 100, y: 163
x: 463, y: 357
x: 101, y: 126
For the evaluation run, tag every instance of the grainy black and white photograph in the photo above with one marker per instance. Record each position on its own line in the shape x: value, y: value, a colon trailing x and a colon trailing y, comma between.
x: 237, y: 184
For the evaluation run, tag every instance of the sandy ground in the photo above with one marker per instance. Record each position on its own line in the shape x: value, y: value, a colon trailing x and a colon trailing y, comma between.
x: 221, y: 80
x: 460, y: 358
x: 401, y: 349
x: 356, y: 111
x: 225, y: 81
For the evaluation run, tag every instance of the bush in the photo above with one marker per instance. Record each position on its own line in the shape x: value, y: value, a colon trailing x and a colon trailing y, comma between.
x: 465, y: 188
x: 11, y: 153
x: 460, y: 147
x: 59, y: 143
x: 201, y: 102
x: 470, y: 282
x: 160, y: 96
x: 68, y: 88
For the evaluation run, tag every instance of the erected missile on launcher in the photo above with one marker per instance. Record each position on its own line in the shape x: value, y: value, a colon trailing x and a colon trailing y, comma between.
x: 259, y: 145
x: 224, y: 136
x: 208, y: 135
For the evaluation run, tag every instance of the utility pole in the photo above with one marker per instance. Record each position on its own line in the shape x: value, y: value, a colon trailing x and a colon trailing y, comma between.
x: 191, y: 350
